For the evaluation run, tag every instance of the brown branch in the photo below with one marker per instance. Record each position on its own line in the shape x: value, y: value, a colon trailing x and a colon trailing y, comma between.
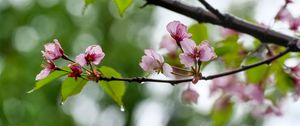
x: 212, y: 9
x: 174, y: 82
x: 265, y: 35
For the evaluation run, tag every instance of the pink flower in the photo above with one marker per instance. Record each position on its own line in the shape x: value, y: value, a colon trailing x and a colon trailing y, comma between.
x: 170, y: 44
x: 254, y: 92
x: 53, y: 51
x: 192, y: 52
x: 178, y: 31
x: 153, y: 62
x: 189, y: 96
x: 76, y: 70
x: 48, y: 68
x: 296, y: 71
x: 294, y: 23
x: 283, y: 14
x: 93, y: 54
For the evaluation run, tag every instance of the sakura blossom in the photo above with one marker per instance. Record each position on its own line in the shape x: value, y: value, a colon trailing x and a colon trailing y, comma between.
x: 93, y: 54
x: 48, y: 68
x: 53, y: 51
x: 178, y: 31
x: 193, y: 53
x: 190, y: 96
x: 294, y: 23
x: 153, y: 62
x: 283, y: 14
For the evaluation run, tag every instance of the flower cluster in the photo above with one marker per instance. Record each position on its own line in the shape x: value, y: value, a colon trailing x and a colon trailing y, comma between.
x: 191, y: 57
x: 285, y: 15
x: 53, y: 51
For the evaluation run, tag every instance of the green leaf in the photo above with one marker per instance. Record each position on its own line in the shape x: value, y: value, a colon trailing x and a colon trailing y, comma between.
x: 52, y: 76
x: 122, y: 5
x: 256, y: 74
x: 222, y: 111
x: 116, y: 89
x: 283, y: 81
x: 230, y: 51
x: 71, y: 87
x: 199, y: 32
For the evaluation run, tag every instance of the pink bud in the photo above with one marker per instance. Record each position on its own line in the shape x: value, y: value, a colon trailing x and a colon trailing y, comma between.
x: 190, y: 96
x: 53, y: 51
x: 294, y: 23
x: 76, y: 70
x: 283, y: 14
x: 48, y: 68
x: 93, y: 54
x: 178, y: 31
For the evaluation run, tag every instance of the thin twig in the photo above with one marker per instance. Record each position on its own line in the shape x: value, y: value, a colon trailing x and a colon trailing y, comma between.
x: 212, y: 9
x: 174, y: 82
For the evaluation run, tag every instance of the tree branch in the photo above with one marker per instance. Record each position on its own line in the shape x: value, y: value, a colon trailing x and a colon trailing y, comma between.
x: 174, y: 82
x: 265, y: 35
x: 212, y: 9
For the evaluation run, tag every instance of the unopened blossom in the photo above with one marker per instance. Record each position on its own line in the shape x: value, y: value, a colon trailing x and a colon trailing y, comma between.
x: 190, y: 96
x: 93, y: 54
x: 153, y: 62
x: 283, y: 14
x: 296, y: 71
x: 169, y: 44
x: 178, y: 31
x: 294, y: 24
x: 75, y: 70
x: 48, y: 68
x: 193, y: 53
x: 53, y: 51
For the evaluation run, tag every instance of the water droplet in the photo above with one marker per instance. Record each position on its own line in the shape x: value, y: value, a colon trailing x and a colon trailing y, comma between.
x: 62, y: 103
x: 122, y: 108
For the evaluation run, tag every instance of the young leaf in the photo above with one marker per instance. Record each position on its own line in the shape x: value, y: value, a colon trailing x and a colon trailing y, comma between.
x: 116, y: 89
x: 71, y: 87
x: 199, y: 32
x: 52, y: 76
x: 255, y: 75
x: 122, y: 5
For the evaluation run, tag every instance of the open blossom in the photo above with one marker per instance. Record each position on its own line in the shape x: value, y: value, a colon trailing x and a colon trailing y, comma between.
x: 190, y: 96
x: 178, y: 31
x: 48, y: 68
x: 93, y: 54
x: 192, y: 52
x: 153, y: 62
x: 75, y: 70
x: 53, y: 51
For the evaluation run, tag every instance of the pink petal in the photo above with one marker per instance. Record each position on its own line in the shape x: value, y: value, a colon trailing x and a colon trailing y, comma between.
x: 93, y: 49
x: 294, y: 23
x: 283, y: 14
x: 98, y: 58
x: 206, y: 52
x: 172, y: 27
x: 43, y: 74
x: 182, y: 31
x: 53, y: 51
x: 169, y: 43
x: 154, y: 55
x: 80, y: 59
x: 167, y: 70
x: 186, y: 60
x: 149, y: 63
x: 188, y: 46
